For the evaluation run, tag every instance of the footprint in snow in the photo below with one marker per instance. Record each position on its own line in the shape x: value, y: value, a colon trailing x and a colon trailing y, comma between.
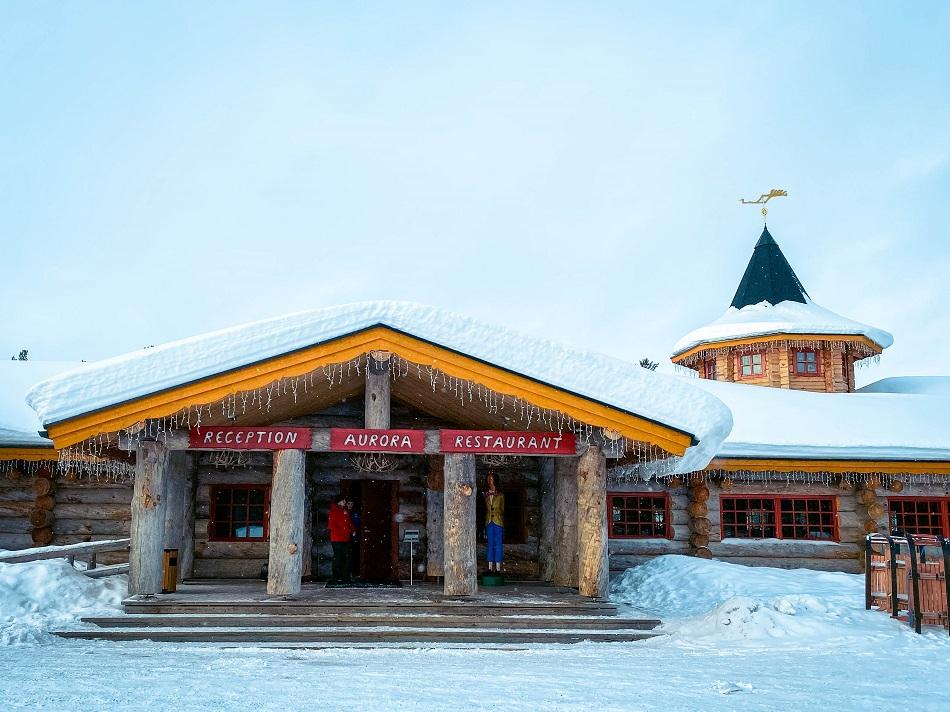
x: 727, y: 688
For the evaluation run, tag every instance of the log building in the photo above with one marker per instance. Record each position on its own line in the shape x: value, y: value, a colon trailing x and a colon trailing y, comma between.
x: 230, y: 446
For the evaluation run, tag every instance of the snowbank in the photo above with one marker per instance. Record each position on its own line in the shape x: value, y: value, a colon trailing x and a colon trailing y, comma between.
x: 39, y: 596
x: 621, y: 384
x: 709, y: 601
x: 872, y: 426
x: 19, y: 424
x: 919, y: 385
x: 786, y: 317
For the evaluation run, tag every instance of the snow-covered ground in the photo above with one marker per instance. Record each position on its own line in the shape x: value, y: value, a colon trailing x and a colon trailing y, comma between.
x: 739, y: 639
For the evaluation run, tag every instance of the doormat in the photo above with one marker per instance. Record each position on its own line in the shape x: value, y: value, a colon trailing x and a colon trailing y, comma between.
x: 364, y: 584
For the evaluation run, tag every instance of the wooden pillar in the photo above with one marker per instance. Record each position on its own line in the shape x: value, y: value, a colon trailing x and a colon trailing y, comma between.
x: 186, y: 553
x: 564, y: 550
x: 435, y: 514
x: 378, y: 381
x: 285, y: 562
x: 546, y: 542
x: 307, y: 554
x: 148, y: 518
x: 460, y: 570
x: 175, y: 498
x: 593, y: 567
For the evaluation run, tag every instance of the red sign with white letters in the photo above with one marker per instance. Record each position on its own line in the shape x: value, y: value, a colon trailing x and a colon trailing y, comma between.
x: 365, y: 440
x: 230, y: 437
x: 503, y: 442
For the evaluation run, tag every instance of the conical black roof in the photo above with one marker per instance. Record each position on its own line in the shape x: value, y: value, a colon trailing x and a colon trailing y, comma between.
x: 769, y: 277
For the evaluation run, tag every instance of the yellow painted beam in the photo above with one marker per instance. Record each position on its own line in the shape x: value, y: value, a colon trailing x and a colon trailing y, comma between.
x: 298, y: 363
x: 769, y: 338
x: 31, y: 454
x: 912, y: 467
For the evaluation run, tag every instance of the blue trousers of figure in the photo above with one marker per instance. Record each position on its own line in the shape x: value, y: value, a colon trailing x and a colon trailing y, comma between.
x: 494, y: 542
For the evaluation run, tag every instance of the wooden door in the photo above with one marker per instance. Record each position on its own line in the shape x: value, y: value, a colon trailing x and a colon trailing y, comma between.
x: 378, y: 536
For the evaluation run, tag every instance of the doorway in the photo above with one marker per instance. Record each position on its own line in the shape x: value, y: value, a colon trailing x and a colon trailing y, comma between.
x: 376, y: 502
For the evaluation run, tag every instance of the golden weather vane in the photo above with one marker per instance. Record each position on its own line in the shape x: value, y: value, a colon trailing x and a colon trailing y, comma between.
x: 764, y: 198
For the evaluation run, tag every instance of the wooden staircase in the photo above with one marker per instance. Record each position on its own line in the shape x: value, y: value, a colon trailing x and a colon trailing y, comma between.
x: 326, y: 623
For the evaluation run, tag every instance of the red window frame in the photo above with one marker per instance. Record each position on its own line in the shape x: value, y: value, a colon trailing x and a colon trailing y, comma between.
x: 709, y: 369
x: 774, y: 516
x: 942, y: 515
x: 818, y: 363
x: 667, y: 526
x: 214, y: 515
x: 764, y: 364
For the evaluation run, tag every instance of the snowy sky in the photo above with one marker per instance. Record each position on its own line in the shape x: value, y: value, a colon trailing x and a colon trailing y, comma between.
x: 571, y: 170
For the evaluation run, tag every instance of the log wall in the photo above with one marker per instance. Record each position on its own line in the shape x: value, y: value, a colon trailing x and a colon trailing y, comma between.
x: 837, y: 370
x: 625, y: 553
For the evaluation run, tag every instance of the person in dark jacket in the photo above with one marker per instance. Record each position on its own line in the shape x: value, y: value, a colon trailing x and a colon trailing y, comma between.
x: 341, y: 534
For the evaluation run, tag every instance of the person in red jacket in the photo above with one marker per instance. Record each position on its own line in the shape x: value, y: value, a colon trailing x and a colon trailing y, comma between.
x: 341, y: 534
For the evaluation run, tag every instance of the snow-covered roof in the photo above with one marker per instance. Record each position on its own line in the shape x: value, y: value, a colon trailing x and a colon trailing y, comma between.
x: 921, y: 385
x: 669, y: 400
x: 19, y: 424
x: 788, y: 317
x: 781, y: 423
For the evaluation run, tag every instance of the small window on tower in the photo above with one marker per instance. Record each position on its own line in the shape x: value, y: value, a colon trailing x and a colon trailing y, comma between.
x: 751, y: 364
x: 806, y: 362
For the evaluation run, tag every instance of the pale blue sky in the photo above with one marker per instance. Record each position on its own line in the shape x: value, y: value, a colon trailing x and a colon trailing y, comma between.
x: 568, y: 169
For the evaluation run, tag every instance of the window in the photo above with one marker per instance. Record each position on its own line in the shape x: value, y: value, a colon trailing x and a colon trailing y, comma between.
x: 239, y: 513
x: 779, y: 518
x: 807, y: 363
x: 917, y: 515
x: 709, y: 369
x: 751, y: 365
x: 638, y: 516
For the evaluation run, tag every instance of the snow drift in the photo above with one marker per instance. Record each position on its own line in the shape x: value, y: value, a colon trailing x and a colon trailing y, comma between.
x: 713, y: 601
x: 38, y: 596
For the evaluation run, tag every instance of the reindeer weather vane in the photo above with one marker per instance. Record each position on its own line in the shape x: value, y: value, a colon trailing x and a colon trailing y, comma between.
x: 764, y: 198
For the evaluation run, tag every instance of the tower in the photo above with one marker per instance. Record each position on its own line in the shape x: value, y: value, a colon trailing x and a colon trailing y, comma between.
x: 774, y: 335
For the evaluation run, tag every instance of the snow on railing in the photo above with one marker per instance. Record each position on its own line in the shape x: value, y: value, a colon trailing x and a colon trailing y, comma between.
x: 87, y: 549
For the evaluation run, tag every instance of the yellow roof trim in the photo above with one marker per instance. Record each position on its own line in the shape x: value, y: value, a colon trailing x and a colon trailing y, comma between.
x: 208, y: 390
x: 911, y: 467
x: 768, y: 338
x: 30, y: 454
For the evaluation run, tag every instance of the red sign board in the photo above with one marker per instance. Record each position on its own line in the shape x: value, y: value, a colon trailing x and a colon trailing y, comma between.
x: 502, y: 442
x: 391, y: 441
x: 229, y: 437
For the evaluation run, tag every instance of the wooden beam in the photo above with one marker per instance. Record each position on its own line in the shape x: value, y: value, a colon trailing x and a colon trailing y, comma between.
x: 546, y: 540
x: 592, y: 564
x: 564, y: 550
x: 285, y: 563
x: 175, y: 483
x: 148, y: 518
x: 378, y: 388
x: 460, y: 569
x: 435, y: 512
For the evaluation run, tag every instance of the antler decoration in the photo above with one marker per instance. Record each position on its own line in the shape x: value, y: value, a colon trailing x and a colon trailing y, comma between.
x: 764, y: 198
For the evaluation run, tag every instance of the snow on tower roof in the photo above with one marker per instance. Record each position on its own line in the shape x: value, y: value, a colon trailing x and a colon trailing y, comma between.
x: 765, y: 319
x: 19, y: 425
x: 781, y: 423
x: 665, y: 399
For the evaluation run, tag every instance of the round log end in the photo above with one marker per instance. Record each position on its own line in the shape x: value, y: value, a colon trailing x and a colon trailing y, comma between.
x: 703, y: 552
x: 700, y: 526
x: 42, y: 536
x: 41, y: 517
x: 698, y: 541
x: 41, y: 486
x: 699, y: 493
x: 870, y: 526
x: 875, y: 511
x: 896, y: 486
x: 47, y: 501
x: 697, y: 509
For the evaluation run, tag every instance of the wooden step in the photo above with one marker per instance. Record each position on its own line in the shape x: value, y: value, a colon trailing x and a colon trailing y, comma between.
x: 305, y: 607
x: 353, y: 636
x: 226, y: 620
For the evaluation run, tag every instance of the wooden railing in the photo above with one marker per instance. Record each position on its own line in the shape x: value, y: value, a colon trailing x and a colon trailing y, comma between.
x: 86, y: 550
x: 907, y: 578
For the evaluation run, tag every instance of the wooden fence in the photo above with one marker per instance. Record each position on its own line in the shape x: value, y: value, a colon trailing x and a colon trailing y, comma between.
x: 907, y: 578
x: 85, y: 550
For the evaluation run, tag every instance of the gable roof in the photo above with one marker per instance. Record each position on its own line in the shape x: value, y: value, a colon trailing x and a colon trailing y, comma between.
x: 594, y: 388
x: 768, y: 277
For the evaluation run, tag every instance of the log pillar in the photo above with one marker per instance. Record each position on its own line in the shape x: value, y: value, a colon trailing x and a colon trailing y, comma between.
x: 175, y: 498
x: 378, y: 382
x: 148, y: 518
x: 546, y: 540
x: 285, y: 560
x: 592, y: 557
x: 564, y: 546
x: 458, y: 542
x: 435, y: 512
x: 186, y: 552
